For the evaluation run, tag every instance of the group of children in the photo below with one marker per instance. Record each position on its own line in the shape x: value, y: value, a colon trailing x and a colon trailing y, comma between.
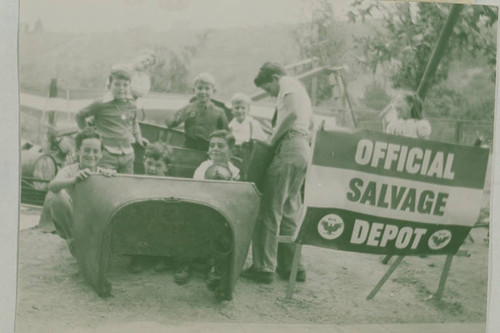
x: 104, y: 145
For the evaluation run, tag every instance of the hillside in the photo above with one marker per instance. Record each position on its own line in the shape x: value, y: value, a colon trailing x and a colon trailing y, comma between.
x: 232, y: 55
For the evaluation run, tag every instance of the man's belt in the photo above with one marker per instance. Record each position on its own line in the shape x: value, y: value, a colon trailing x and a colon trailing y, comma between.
x: 290, y: 134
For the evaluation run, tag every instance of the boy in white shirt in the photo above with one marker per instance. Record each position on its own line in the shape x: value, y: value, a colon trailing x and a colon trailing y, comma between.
x: 243, y: 126
x: 218, y: 167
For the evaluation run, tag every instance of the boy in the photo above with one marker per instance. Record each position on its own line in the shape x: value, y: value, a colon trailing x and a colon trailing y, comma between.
x: 58, y: 201
x: 281, y: 202
x: 157, y: 161
x: 201, y: 117
x: 117, y: 123
x: 219, y: 152
x: 220, y: 146
x: 243, y: 126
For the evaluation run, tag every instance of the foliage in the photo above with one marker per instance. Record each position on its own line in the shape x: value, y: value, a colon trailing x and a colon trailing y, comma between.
x: 474, y: 101
x: 171, y: 73
x: 322, y: 39
x: 375, y: 96
x: 409, y: 33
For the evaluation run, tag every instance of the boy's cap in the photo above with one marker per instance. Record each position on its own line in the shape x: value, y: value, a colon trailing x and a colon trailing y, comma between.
x: 241, y: 98
x: 121, y: 71
x: 204, y: 77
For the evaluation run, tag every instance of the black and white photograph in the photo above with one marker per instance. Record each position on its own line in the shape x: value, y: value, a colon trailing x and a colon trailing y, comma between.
x: 255, y: 166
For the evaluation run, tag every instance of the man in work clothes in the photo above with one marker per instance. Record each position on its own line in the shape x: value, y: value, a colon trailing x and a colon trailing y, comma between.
x: 281, y: 202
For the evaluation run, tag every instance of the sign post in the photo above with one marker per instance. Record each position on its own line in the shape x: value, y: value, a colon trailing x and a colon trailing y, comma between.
x: 383, y: 194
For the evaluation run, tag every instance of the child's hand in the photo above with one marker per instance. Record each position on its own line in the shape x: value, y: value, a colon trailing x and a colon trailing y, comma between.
x: 82, y: 175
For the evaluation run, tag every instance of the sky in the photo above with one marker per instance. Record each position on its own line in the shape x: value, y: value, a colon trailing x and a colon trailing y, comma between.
x: 161, y: 15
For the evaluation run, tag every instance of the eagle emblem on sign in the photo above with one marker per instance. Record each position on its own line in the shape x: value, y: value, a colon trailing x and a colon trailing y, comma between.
x: 331, y: 226
x: 439, y: 239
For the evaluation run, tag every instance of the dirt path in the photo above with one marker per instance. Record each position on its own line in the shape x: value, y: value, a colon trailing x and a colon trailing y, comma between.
x: 50, y: 290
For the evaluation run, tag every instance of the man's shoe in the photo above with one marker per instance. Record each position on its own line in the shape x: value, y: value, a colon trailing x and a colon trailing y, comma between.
x: 301, y: 275
x: 135, y: 265
x: 163, y: 264
x: 183, y: 274
x: 258, y: 276
x: 213, y: 278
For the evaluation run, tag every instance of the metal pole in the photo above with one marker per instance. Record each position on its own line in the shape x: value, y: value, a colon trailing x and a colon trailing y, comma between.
x: 438, y: 52
x: 386, y: 276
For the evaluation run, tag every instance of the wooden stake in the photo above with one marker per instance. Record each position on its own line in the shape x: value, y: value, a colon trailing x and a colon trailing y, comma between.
x: 293, y: 273
x: 379, y: 285
x: 444, y: 276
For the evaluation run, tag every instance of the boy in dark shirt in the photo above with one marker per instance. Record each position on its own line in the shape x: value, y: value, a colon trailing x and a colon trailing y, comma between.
x: 201, y: 117
x: 157, y: 161
x: 117, y: 123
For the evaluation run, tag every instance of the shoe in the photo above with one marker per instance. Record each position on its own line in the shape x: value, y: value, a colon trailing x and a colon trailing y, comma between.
x: 183, y: 274
x: 213, y: 278
x: 257, y: 276
x: 162, y: 265
x: 301, y: 275
x: 135, y: 265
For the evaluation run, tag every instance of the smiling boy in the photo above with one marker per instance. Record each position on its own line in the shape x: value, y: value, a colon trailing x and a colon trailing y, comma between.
x: 58, y: 200
x: 243, y: 126
x: 201, y: 117
x: 117, y: 123
x: 219, y: 153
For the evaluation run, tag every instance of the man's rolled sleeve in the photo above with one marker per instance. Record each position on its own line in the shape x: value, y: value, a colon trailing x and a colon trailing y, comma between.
x: 84, y: 113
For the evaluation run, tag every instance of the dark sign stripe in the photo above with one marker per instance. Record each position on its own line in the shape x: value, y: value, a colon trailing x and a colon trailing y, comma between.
x: 412, y: 159
x: 371, y: 234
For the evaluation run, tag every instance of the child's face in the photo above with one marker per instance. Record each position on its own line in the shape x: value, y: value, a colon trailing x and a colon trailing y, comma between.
x: 90, y: 153
x: 203, y: 91
x: 218, y: 150
x: 155, y: 167
x: 240, y: 111
x: 120, y: 88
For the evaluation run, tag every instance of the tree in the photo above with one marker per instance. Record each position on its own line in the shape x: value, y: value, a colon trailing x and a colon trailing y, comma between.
x: 171, y: 73
x: 320, y: 39
x: 404, y: 38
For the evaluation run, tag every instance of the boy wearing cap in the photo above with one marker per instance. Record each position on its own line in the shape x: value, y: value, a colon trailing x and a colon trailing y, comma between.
x: 117, y: 122
x: 200, y: 117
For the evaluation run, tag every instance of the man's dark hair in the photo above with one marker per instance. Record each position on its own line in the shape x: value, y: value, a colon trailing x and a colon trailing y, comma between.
x: 86, y: 133
x: 415, y: 103
x: 159, y: 150
x: 267, y: 71
x: 226, y: 135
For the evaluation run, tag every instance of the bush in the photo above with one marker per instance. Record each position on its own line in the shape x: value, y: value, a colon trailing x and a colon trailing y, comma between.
x: 375, y: 96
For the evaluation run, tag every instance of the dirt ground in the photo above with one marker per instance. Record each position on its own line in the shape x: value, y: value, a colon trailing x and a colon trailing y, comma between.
x: 51, y: 291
